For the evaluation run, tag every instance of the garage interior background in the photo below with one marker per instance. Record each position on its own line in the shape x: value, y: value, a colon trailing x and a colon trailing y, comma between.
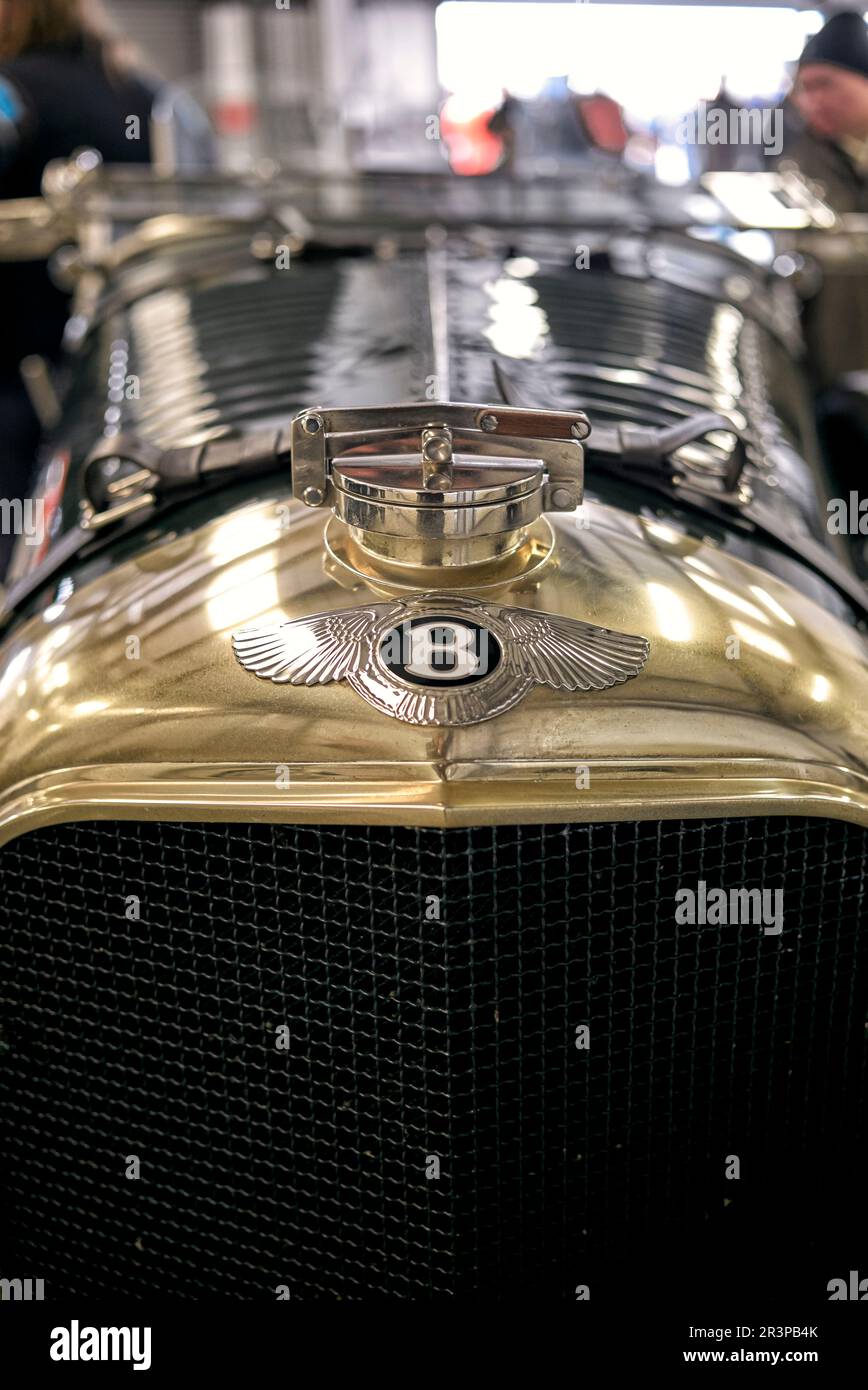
x: 337, y: 84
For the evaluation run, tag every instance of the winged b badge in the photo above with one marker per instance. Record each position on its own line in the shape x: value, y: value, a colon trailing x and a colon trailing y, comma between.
x: 440, y: 659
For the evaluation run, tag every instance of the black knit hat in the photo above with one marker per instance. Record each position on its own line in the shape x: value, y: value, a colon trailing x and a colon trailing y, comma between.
x: 842, y: 42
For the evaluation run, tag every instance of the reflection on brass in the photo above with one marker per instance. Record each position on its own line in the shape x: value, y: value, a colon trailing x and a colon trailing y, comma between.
x: 183, y: 732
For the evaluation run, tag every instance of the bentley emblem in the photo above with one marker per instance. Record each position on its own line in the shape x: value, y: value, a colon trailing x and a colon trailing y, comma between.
x: 441, y: 659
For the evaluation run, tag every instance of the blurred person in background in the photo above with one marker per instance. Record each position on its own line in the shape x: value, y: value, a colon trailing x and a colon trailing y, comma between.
x: 830, y: 94
x: 572, y: 129
x: 67, y: 80
x: 712, y: 155
x: 829, y: 143
x: 555, y: 133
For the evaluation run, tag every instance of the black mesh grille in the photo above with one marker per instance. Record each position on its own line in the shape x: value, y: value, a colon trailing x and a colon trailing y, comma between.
x: 414, y: 1036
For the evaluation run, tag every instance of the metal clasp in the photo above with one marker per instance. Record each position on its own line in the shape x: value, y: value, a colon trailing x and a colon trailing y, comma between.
x: 108, y: 501
x: 552, y: 436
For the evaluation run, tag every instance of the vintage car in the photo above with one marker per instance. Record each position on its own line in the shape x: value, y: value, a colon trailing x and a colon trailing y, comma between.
x: 433, y: 779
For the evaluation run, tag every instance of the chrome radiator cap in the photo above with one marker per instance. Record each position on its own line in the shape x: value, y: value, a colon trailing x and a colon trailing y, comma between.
x: 470, y: 511
x: 459, y: 485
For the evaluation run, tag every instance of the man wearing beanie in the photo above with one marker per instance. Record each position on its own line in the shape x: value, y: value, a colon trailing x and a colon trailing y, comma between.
x: 831, y: 95
x: 827, y: 138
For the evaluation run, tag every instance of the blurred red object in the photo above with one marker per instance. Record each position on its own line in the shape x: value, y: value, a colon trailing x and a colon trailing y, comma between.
x: 472, y: 147
x: 234, y: 117
x: 604, y: 125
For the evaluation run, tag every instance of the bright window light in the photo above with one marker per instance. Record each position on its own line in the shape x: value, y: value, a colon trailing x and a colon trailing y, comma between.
x: 658, y: 61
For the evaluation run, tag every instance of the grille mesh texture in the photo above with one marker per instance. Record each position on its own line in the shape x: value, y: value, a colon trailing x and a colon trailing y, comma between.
x: 414, y: 1036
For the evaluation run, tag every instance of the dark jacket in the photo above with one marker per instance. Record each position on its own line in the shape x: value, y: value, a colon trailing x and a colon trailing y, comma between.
x: 836, y: 319
x: 58, y: 100
x: 844, y: 184
x: 53, y: 101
